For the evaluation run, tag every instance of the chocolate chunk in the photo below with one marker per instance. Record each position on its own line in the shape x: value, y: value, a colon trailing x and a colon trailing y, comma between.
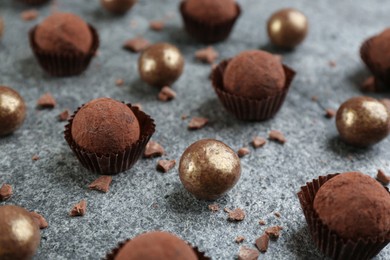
x: 258, y: 142
x: 46, y: 101
x: 330, y: 113
x: 262, y: 222
x: 235, y: 215
x: 277, y: 136
x: 165, y: 165
x: 197, y: 123
x: 166, y: 94
x: 153, y: 149
x: 239, y: 239
x: 383, y: 177
x: 277, y: 214
x: 5, y: 192
x: 332, y: 63
x: 273, y: 232
x: 243, y: 151
x: 101, y: 184
x: 64, y: 116
x: 314, y: 98
x: 208, y: 55
x: 247, y: 253
x: 79, y: 209
x: 369, y: 85
x: 184, y: 117
x: 262, y: 243
x: 29, y: 15
x: 119, y: 82
x: 156, y: 25
x: 136, y: 44
x: 39, y: 219
x: 214, y: 207
x: 35, y: 157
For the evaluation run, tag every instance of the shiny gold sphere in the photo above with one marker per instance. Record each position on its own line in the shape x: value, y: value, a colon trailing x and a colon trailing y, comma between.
x: 287, y: 28
x: 209, y: 168
x: 118, y: 6
x: 12, y: 110
x: 20, y: 235
x: 363, y: 121
x: 1, y: 27
x: 160, y: 64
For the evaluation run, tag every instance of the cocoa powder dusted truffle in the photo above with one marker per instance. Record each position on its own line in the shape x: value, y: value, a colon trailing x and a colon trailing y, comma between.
x: 20, y: 235
x: 118, y: 6
x: 105, y: 126
x: 211, y: 11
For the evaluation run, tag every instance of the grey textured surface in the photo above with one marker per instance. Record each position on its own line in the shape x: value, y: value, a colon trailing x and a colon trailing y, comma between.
x: 142, y: 199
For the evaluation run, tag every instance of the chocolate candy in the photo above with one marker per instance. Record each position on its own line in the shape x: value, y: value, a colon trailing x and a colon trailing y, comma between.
x: 118, y: 6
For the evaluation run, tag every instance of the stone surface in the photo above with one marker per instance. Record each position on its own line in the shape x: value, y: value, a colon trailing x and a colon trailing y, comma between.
x: 141, y: 199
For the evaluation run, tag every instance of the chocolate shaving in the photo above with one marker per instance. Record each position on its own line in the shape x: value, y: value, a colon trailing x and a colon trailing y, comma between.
x: 5, y: 192
x: 64, y: 116
x: 214, y: 207
x: 165, y: 165
x: 156, y: 25
x: 136, y: 44
x: 79, y: 209
x: 383, y: 177
x: 243, y: 151
x: 273, y: 232
x: 239, y: 239
x: 235, y: 215
x: 262, y: 222
x: 330, y: 113
x: 262, y: 243
x: 46, y: 101
x: 277, y: 136
x: 197, y: 123
x: 153, y: 149
x: 119, y: 82
x: 208, y: 55
x: 29, y: 15
x: 258, y: 142
x: 35, y: 157
x: 101, y: 184
x: 166, y: 94
x: 39, y: 219
x: 247, y: 253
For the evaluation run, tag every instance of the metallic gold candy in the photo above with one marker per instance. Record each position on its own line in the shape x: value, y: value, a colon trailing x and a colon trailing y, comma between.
x: 363, y: 121
x: 12, y: 110
x: 209, y: 168
x: 287, y: 28
x: 161, y: 64
x: 118, y: 6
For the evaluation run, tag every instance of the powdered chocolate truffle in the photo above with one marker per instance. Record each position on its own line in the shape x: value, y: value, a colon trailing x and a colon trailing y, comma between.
x: 156, y: 245
x: 64, y: 33
x: 105, y: 126
x: 118, y: 6
x: 20, y: 235
x: 254, y: 74
x: 354, y: 206
x: 211, y: 11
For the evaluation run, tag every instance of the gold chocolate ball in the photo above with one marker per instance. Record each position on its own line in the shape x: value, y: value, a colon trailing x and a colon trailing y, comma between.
x: 209, y: 168
x: 118, y: 6
x: 363, y: 121
x: 1, y: 27
x: 160, y: 64
x: 12, y: 110
x: 287, y: 28
x: 20, y: 235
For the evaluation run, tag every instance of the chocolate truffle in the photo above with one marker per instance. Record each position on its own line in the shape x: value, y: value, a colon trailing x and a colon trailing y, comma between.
x: 209, y: 168
x: 105, y: 126
x: 64, y: 33
x: 1, y: 26
x: 363, y: 121
x: 354, y: 206
x: 20, y: 235
x: 211, y: 11
x: 254, y: 74
x: 118, y: 6
x: 12, y: 110
x: 156, y: 245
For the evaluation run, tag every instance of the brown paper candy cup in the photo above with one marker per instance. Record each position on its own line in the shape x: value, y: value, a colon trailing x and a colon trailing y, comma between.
x: 207, y: 32
x: 64, y: 64
x: 249, y: 109
x: 328, y: 241
x: 34, y: 2
x: 113, y: 163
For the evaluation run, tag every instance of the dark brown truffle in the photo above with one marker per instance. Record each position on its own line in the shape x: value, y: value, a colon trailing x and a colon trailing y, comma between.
x: 12, y: 110
x: 105, y: 126
x: 211, y: 11
x: 156, y: 245
x: 254, y: 74
x: 64, y: 33
x: 20, y: 235
x: 118, y: 6
x: 354, y: 206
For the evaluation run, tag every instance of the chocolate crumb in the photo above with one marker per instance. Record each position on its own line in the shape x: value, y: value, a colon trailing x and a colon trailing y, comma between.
x: 262, y: 222
x: 314, y: 98
x: 239, y: 239
x: 5, y: 192
x: 39, y: 219
x: 383, y: 177
x: 214, y: 207
x: 119, y: 82
x: 262, y: 243
x: 277, y: 214
x: 101, y: 184
x: 184, y: 117
x: 332, y: 64
x: 208, y: 55
x: 330, y: 113
x: 29, y: 15
x: 165, y: 165
x: 138, y: 105
x: 156, y: 25
x: 369, y: 85
x: 235, y: 215
x: 258, y: 142
x: 46, y: 101
x: 79, y: 209
x: 137, y: 44
x: 64, y: 115
x: 197, y: 123
x: 273, y: 232
x: 153, y: 149
x: 35, y: 157
x: 243, y: 151
x: 166, y: 94
x: 277, y: 136
x: 247, y: 253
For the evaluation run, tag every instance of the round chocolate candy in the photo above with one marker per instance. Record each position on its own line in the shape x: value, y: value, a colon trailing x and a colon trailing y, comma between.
x: 12, y: 110
x: 160, y: 64
x: 209, y: 168
x: 118, y: 6
x: 363, y: 121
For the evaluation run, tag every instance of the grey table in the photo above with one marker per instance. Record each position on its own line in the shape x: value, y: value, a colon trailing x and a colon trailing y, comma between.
x: 143, y: 199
